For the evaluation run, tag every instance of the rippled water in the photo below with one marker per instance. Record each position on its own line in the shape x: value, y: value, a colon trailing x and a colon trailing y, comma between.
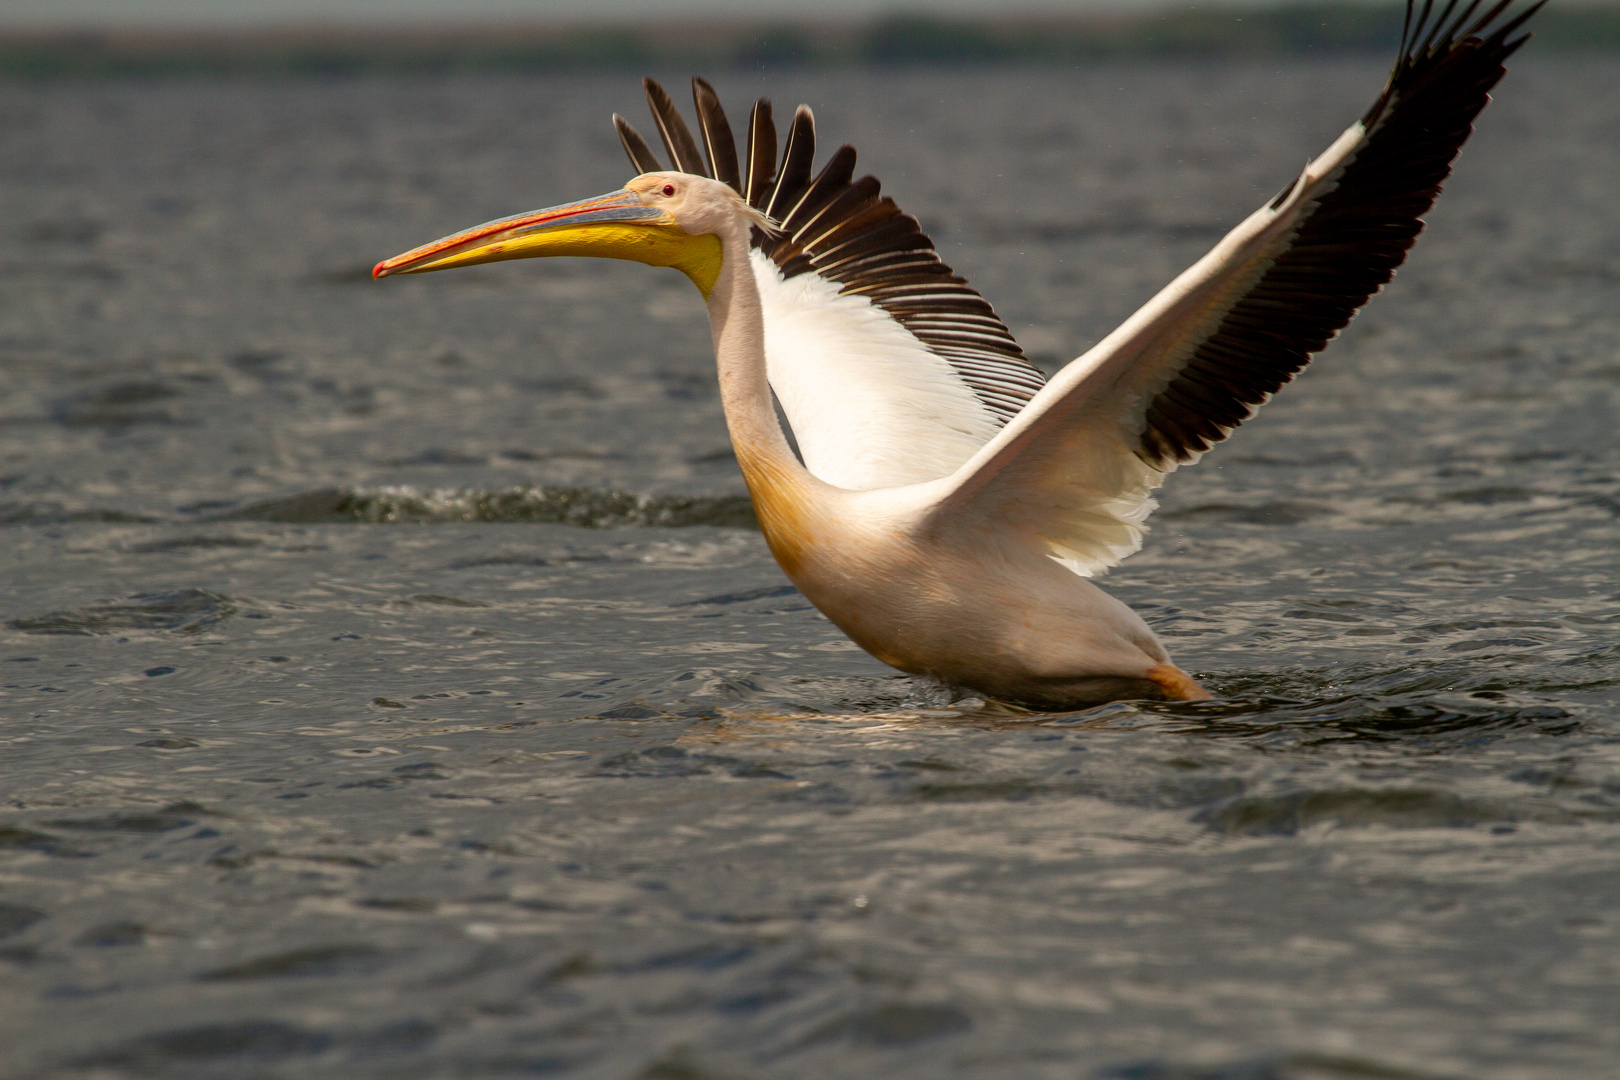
x: 395, y: 686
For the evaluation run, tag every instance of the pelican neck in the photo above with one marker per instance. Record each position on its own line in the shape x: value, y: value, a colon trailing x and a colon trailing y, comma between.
x: 736, y: 318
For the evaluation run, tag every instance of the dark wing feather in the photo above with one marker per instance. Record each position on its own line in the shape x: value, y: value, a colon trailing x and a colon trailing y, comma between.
x: 761, y: 154
x: 832, y: 182
x: 718, y: 140
x: 677, y: 138
x: 793, y: 178
x: 1349, y: 246
x: 641, y: 155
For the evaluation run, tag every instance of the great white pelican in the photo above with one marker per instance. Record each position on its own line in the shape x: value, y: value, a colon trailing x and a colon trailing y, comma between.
x: 948, y: 507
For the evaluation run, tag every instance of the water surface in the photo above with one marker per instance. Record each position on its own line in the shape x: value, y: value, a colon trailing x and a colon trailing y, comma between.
x: 394, y: 684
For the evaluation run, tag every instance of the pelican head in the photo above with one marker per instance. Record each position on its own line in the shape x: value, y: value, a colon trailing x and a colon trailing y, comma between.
x: 659, y: 218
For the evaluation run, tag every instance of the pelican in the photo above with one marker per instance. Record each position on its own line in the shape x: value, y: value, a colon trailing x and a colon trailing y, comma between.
x: 948, y: 507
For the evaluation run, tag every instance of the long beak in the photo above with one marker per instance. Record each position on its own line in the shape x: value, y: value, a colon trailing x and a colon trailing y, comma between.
x: 613, y: 226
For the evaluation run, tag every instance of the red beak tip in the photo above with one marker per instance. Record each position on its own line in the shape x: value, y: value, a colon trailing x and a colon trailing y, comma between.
x: 380, y: 270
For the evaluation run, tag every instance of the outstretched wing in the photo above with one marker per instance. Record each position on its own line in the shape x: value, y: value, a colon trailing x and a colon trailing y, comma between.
x: 1074, y: 470
x: 890, y: 368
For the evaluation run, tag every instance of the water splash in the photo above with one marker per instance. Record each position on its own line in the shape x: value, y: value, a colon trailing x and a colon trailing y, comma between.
x: 581, y: 507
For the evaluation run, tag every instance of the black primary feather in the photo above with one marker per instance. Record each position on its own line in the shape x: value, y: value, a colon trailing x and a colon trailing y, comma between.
x: 1349, y: 245
x: 717, y: 137
x: 641, y: 155
x: 793, y: 178
x: 672, y: 129
x: 761, y: 153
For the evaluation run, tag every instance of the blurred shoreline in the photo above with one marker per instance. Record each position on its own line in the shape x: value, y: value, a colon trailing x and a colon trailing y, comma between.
x: 1294, y: 29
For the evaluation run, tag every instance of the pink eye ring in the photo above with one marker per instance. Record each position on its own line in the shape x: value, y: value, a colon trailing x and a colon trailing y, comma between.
x: 669, y: 189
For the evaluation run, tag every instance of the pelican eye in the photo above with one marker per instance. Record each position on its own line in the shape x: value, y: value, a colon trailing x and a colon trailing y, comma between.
x: 669, y: 189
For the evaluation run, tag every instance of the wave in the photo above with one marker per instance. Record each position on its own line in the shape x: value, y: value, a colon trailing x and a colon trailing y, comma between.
x: 580, y: 507
x: 185, y: 611
x: 53, y: 514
